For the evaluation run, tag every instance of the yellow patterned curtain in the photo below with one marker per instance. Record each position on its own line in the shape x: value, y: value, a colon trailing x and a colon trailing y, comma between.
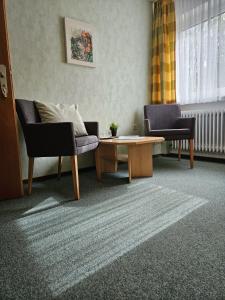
x: 163, y: 64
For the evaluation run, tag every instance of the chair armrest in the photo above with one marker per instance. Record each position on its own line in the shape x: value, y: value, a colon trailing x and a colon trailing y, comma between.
x: 186, y: 123
x: 92, y: 128
x: 50, y: 139
x: 147, y: 126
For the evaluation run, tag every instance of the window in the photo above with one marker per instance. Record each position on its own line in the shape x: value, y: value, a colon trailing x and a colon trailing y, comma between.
x: 200, y: 51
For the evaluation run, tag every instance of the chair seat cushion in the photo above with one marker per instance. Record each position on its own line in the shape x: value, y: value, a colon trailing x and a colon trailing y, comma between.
x: 86, y: 143
x: 85, y: 140
x: 171, y: 134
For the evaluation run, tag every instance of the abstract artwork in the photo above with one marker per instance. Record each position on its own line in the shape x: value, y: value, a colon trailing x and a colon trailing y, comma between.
x: 79, y: 43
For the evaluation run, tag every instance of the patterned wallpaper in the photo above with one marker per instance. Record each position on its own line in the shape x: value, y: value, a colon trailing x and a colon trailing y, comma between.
x: 115, y: 90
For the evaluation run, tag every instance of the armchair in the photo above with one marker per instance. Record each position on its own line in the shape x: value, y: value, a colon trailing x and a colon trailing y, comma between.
x: 53, y: 139
x: 165, y: 120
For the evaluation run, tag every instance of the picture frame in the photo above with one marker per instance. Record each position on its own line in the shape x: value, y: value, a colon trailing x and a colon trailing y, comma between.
x: 80, y: 43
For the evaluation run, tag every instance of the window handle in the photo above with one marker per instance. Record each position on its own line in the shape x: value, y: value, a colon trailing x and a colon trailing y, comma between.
x: 3, y: 81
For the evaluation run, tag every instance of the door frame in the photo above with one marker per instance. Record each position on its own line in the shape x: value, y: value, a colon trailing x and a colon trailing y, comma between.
x: 11, y: 185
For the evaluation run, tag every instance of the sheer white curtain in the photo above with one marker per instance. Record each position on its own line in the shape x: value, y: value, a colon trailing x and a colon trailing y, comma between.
x: 200, y: 50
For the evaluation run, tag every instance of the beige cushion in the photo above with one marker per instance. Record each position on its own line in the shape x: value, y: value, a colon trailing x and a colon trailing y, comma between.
x: 54, y: 113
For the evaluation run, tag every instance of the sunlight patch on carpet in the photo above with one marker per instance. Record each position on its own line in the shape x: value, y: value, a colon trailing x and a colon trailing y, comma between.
x: 72, y: 242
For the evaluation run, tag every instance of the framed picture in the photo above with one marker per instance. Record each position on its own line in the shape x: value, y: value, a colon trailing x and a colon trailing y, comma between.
x: 80, y: 43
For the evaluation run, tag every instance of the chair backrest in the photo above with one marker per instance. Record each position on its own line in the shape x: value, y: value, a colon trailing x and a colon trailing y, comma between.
x: 162, y: 116
x: 27, y: 112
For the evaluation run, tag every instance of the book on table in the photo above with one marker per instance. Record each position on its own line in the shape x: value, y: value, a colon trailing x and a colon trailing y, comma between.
x: 108, y: 137
x: 130, y: 137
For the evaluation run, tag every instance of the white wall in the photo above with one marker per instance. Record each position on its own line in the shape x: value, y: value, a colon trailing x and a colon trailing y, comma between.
x: 116, y: 90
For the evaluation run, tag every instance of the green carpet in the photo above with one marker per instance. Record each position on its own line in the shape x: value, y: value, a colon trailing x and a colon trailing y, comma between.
x: 70, y: 243
x: 144, y: 240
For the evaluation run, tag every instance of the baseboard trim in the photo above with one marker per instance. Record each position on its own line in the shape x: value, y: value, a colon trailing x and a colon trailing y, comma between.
x: 65, y: 173
x: 183, y: 156
x: 198, y: 157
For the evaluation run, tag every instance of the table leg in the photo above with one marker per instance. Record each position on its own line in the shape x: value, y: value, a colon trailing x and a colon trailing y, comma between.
x: 129, y: 164
x: 105, y: 159
x: 140, y: 160
x: 98, y: 164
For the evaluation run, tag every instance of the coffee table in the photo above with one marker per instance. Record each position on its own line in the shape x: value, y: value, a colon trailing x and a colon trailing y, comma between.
x: 139, y: 156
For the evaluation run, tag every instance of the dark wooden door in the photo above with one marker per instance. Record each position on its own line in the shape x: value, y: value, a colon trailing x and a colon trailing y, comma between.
x: 10, y: 167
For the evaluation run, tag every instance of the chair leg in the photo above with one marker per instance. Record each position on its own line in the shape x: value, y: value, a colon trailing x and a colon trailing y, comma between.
x: 179, y: 150
x: 75, y: 174
x: 191, y: 147
x: 30, y: 174
x: 59, y: 166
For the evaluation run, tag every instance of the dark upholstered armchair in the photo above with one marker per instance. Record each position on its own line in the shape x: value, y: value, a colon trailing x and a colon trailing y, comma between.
x: 165, y: 120
x: 53, y: 139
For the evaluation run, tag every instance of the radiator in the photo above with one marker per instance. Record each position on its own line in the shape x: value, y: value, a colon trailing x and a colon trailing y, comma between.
x: 209, y: 131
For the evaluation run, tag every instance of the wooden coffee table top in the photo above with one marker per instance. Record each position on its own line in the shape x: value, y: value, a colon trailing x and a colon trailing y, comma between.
x: 141, y: 140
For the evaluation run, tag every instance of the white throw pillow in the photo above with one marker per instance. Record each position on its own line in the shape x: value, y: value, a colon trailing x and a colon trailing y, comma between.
x: 54, y: 113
